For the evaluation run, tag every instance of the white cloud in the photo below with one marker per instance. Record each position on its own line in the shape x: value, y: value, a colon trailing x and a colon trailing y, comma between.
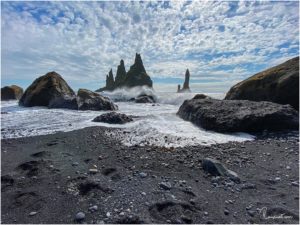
x: 83, y: 40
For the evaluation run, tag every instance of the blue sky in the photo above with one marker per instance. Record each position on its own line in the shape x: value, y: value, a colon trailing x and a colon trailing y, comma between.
x: 220, y: 42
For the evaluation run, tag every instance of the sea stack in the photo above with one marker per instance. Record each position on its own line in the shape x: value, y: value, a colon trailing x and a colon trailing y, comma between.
x: 136, y: 76
x: 186, y: 84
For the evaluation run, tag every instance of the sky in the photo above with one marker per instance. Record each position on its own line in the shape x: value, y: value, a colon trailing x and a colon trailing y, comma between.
x: 221, y: 43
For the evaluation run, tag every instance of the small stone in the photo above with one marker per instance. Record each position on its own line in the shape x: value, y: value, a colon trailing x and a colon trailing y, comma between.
x: 80, y: 216
x: 143, y: 193
x: 277, y: 179
x: 143, y: 175
x: 32, y: 213
x: 121, y: 213
x: 288, y: 167
x: 295, y: 183
x: 206, y: 213
x: 93, y: 208
x: 108, y: 214
x: 75, y: 164
x: 165, y: 185
x: 93, y: 171
x: 226, y: 212
x: 251, y: 213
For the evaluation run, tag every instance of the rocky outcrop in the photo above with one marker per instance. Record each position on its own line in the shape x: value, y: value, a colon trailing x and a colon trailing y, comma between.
x: 121, y: 74
x: 278, y: 84
x: 12, y: 92
x: 186, y: 84
x: 144, y: 99
x: 239, y: 115
x: 136, y: 76
x: 88, y: 100
x: 113, y: 118
x: 50, y: 90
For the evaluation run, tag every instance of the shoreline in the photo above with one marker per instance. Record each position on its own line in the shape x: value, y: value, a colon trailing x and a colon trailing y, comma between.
x: 50, y: 175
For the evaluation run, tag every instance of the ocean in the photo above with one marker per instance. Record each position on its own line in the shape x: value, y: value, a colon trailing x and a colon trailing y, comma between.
x: 156, y: 125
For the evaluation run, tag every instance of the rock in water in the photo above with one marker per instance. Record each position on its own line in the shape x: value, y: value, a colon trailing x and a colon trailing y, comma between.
x: 137, y: 76
x: 216, y: 168
x: 278, y: 84
x: 186, y: 84
x: 121, y: 74
x: 239, y: 115
x: 113, y: 118
x: 88, y: 100
x: 144, y: 99
x: 50, y: 90
x: 110, y: 82
x: 12, y: 92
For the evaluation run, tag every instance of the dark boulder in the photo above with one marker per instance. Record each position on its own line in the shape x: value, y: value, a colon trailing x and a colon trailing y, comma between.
x: 88, y: 100
x: 216, y: 168
x: 113, y: 118
x: 12, y: 92
x: 121, y: 74
x: 278, y: 84
x: 50, y: 90
x: 144, y: 99
x: 239, y: 115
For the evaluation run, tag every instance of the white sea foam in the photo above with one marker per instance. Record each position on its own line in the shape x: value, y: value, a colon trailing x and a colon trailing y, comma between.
x: 157, y: 124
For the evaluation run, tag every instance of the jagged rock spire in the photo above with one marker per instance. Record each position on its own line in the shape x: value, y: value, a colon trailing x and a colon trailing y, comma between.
x: 186, y: 84
x: 121, y: 74
x: 110, y: 82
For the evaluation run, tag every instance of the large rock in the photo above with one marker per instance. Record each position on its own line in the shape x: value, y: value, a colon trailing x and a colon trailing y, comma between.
x: 50, y: 90
x: 278, y: 84
x: 113, y: 118
x: 12, y: 92
x: 136, y: 76
x: 238, y: 115
x: 144, y: 98
x: 88, y: 100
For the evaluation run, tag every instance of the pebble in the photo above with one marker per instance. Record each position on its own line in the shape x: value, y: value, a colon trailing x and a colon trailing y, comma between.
x: 165, y: 185
x: 143, y: 193
x: 121, y: 213
x: 295, y: 183
x: 108, y: 214
x: 93, y: 208
x: 75, y: 164
x: 226, y: 212
x: 93, y: 171
x: 143, y: 175
x: 80, y: 216
x: 32, y: 213
x: 277, y: 179
x: 206, y: 213
x: 251, y: 213
x: 288, y: 167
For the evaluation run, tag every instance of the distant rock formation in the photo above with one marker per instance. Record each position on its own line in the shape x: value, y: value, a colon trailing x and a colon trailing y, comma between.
x: 52, y: 91
x: 238, y: 115
x: 278, y: 84
x: 136, y: 76
x: 12, y: 92
x: 186, y: 84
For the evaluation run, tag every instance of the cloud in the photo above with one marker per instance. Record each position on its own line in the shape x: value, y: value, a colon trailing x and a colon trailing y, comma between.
x: 224, y: 41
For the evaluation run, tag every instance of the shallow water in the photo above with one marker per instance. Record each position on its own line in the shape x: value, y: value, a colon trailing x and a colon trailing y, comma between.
x: 157, y: 124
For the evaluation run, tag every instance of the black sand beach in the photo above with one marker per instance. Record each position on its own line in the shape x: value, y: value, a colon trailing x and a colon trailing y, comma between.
x: 46, y: 179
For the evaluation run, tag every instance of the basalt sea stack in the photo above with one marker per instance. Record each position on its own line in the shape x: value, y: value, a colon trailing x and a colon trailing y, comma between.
x: 186, y: 84
x: 136, y: 76
x: 278, y: 84
x: 12, y: 92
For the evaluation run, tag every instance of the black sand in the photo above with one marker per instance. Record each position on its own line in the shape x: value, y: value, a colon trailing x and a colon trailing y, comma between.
x: 40, y: 174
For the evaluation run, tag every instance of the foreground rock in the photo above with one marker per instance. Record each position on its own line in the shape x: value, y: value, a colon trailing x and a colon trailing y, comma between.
x: 238, y: 115
x: 113, y: 118
x: 50, y: 90
x: 278, y: 84
x: 216, y: 168
x: 88, y: 100
x: 12, y: 92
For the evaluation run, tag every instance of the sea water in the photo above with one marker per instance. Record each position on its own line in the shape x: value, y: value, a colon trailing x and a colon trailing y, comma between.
x: 156, y: 124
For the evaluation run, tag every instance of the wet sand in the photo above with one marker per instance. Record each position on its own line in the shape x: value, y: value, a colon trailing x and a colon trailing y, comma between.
x: 47, y: 179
